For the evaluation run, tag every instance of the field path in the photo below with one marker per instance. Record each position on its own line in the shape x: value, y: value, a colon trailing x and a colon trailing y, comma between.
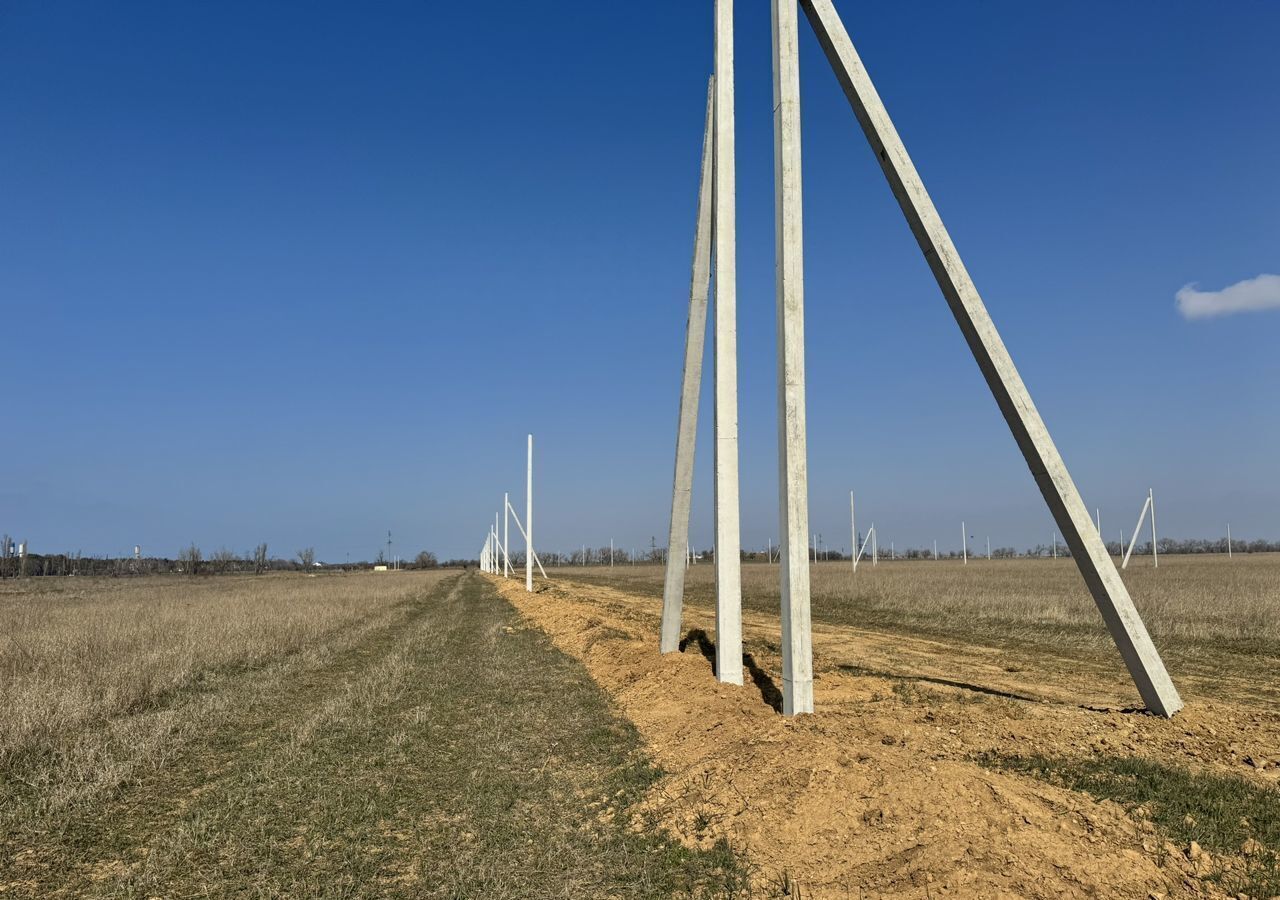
x: 446, y: 753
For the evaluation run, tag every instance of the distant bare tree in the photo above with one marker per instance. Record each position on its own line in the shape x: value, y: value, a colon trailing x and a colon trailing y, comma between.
x: 426, y: 560
x: 223, y: 560
x: 260, y: 559
x: 191, y: 559
x: 307, y: 557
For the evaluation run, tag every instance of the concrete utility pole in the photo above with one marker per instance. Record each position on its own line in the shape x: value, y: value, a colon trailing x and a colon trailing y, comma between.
x: 690, y: 389
x: 728, y: 542
x: 964, y: 542
x: 1011, y: 396
x: 506, y: 535
x: 1228, y: 541
x: 528, y: 521
x: 1155, y: 554
x: 853, y: 530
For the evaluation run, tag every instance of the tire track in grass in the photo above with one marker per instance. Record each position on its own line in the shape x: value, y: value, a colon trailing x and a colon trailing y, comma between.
x: 455, y: 754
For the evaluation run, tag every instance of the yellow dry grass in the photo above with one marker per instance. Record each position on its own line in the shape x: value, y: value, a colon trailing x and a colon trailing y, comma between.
x: 1204, y: 612
x: 101, y: 677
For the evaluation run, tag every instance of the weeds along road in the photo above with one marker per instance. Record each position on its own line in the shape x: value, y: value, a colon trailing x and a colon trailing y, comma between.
x: 448, y: 751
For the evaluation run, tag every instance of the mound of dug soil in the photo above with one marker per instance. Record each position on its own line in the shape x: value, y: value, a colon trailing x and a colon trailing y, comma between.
x: 877, y: 793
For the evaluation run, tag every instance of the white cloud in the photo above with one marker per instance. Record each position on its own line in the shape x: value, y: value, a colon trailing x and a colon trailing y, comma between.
x: 1250, y: 295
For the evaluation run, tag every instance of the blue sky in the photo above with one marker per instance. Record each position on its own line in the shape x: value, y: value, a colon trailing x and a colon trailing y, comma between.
x: 303, y: 274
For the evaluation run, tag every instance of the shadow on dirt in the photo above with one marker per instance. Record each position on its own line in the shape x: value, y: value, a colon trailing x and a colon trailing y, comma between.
x: 759, y: 677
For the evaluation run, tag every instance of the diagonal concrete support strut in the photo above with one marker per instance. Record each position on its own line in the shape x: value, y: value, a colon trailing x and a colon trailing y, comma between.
x: 1050, y: 473
x: 690, y: 389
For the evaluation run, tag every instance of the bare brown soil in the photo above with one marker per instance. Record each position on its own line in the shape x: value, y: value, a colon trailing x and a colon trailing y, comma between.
x: 879, y: 793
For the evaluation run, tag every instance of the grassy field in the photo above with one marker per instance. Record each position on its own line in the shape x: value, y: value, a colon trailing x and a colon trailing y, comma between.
x: 1204, y: 612
x: 343, y: 736
x: 412, y: 735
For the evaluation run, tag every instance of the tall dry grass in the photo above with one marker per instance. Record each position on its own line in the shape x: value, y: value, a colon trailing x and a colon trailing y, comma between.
x: 1200, y: 605
x: 100, y: 676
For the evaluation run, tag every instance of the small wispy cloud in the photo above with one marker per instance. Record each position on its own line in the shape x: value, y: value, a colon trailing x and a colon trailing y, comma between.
x: 1250, y: 295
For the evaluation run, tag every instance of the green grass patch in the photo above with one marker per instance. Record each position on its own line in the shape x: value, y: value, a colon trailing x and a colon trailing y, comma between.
x: 1222, y: 813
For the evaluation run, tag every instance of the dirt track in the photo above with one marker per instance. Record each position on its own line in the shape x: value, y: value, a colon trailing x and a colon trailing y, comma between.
x: 877, y: 792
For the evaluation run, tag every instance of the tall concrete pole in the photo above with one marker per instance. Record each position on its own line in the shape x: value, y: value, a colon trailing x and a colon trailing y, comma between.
x: 690, y: 388
x: 728, y: 541
x: 528, y: 521
x: 1011, y: 396
x: 964, y: 543
x: 793, y: 471
x: 1155, y: 554
x: 853, y: 530
x: 506, y: 535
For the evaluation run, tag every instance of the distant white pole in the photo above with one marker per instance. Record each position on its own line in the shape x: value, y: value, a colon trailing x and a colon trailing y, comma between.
x: 988, y: 548
x: 610, y: 553
x: 528, y: 521
x: 506, y: 535
x: 1228, y: 540
x: 1098, y: 512
x: 853, y: 530
x: 769, y: 551
x: 892, y: 553
x: 875, y: 546
x: 964, y: 543
x: 1055, y: 545
x: 1155, y: 555
x: 935, y: 549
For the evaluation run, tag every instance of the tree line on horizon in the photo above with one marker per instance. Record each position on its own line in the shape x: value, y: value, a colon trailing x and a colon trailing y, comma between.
x: 190, y: 560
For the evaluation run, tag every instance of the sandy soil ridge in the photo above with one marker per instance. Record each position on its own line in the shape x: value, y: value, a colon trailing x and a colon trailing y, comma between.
x: 877, y: 793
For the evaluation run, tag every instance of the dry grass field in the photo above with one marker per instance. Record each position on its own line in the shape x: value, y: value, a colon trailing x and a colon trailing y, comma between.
x: 334, y: 736
x: 1210, y: 616
x: 448, y: 735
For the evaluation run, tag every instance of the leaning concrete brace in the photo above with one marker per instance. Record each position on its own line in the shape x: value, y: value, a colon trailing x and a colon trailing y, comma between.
x: 537, y: 561
x: 1146, y: 504
x: 1047, y: 468
x: 691, y: 386
x: 866, y: 540
x: 728, y: 554
x: 793, y: 475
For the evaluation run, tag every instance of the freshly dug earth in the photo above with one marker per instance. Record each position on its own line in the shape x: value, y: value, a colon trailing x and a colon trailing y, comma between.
x: 879, y: 792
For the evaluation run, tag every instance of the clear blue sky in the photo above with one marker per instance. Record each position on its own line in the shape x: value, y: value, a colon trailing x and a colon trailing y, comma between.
x: 303, y: 273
